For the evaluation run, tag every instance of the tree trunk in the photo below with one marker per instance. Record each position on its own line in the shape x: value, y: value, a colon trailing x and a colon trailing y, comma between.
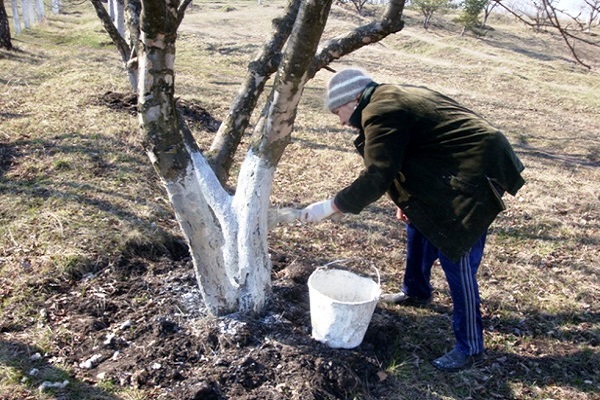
x: 111, y: 8
x: 27, y: 10
x: 119, y: 18
x: 40, y: 11
x: 227, y: 139
x: 15, y: 14
x: 5, y: 41
x: 227, y: 235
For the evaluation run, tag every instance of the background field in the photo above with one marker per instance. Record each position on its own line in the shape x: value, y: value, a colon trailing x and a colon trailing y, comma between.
x: 92, y: 262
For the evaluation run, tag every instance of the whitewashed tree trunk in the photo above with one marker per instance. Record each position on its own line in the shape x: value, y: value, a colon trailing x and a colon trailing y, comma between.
x: 15, y: 15
x: 119, y: 17
x: 27, y: 10
x: 55, y: 7
x: 40, y: 12
x: 111, y: 9
x: 227, y: 235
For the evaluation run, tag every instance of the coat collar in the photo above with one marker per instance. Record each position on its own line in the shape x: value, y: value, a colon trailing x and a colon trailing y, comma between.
x: 355, y: 118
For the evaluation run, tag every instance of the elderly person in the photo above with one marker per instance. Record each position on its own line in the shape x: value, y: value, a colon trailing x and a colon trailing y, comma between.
x: 446, y: 169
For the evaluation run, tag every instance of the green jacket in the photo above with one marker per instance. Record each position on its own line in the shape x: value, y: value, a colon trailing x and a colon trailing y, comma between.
x: 442, y: 164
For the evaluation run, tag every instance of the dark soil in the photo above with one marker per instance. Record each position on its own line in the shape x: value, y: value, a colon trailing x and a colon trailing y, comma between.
x: 142, y: 324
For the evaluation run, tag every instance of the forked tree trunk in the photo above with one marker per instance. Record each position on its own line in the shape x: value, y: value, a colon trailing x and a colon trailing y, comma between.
x: 227, y: 235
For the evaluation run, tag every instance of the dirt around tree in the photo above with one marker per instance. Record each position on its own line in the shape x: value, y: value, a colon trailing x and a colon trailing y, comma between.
x: 142, y: 324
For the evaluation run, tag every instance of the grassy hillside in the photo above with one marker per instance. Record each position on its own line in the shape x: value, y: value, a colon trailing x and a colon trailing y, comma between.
x: 88, y: 241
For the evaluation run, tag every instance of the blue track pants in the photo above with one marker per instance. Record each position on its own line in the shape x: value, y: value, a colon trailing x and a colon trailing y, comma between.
x: 461, y: 277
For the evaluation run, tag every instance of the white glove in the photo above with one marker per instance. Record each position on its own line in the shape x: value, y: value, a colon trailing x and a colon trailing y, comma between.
x: 318, y: 211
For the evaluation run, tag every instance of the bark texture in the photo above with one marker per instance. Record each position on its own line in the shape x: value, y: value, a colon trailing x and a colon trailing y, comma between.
x: 5, y: 39
x: 234, y: 125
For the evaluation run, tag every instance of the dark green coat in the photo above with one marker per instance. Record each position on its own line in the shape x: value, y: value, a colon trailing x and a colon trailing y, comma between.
x: 442, y: 164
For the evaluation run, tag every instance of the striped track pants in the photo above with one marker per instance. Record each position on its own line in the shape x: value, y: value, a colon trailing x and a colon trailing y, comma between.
x: 462, y: 280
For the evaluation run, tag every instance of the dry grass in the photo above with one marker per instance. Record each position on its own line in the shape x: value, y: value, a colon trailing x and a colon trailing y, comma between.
x: 77, y: 193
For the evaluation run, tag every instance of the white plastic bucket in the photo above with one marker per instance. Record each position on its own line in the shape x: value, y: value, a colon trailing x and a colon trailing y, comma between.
x: 341, y: 306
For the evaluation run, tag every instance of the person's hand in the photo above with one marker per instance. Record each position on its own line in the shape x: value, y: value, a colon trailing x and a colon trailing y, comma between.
x: 401, y: 216
x: 318, y: 211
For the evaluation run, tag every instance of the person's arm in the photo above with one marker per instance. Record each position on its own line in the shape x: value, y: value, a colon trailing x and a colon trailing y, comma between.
x: 386, y: 140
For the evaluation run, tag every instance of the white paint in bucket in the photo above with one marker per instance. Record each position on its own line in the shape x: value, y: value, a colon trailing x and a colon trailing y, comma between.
x: 341, y: 306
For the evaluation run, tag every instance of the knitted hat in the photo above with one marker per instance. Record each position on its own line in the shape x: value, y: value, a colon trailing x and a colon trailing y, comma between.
x: 346, y: 86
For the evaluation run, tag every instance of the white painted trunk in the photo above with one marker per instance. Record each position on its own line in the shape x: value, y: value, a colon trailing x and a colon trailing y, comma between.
x: 40, y: 12
x: 111, y: 9
x: 251, y: 204
x: 15, y: 15
x: 55, y: 6
x: 119, y: 18
x: 27, y: 8
x: 203, y: 234
x: 227, y: 235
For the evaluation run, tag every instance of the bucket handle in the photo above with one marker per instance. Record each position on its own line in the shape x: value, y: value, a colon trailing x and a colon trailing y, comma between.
x: 344, y: 260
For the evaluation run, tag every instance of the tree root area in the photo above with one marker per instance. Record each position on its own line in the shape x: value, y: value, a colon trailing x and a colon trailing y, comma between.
x: 143, y: 325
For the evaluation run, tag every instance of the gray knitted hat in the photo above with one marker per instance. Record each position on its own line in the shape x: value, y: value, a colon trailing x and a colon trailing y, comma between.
x: 346, y: 86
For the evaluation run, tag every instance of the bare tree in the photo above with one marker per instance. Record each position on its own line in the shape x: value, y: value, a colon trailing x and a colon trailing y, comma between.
x: 593, y: 8
x: 5, y: 39
x: 555, y: 20
x: 227, y: 233
x: 487, y: 11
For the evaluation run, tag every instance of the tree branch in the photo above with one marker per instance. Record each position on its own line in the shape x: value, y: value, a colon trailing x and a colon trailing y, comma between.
x: 552, y: 13
x: 229, y: 136
x: 391, y: 22
x: 122, y: 46
x: 181, y: 10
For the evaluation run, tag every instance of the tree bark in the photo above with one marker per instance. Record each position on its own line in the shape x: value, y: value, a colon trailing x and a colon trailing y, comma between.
x: 40, y: 11
x: 27, y: 10
x: 5, y: 40
x: 55, y: 5
x: 119, y: 17
x: 229, y: 135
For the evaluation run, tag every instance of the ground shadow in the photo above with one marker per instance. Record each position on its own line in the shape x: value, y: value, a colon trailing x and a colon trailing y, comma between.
x: 36, y: 372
